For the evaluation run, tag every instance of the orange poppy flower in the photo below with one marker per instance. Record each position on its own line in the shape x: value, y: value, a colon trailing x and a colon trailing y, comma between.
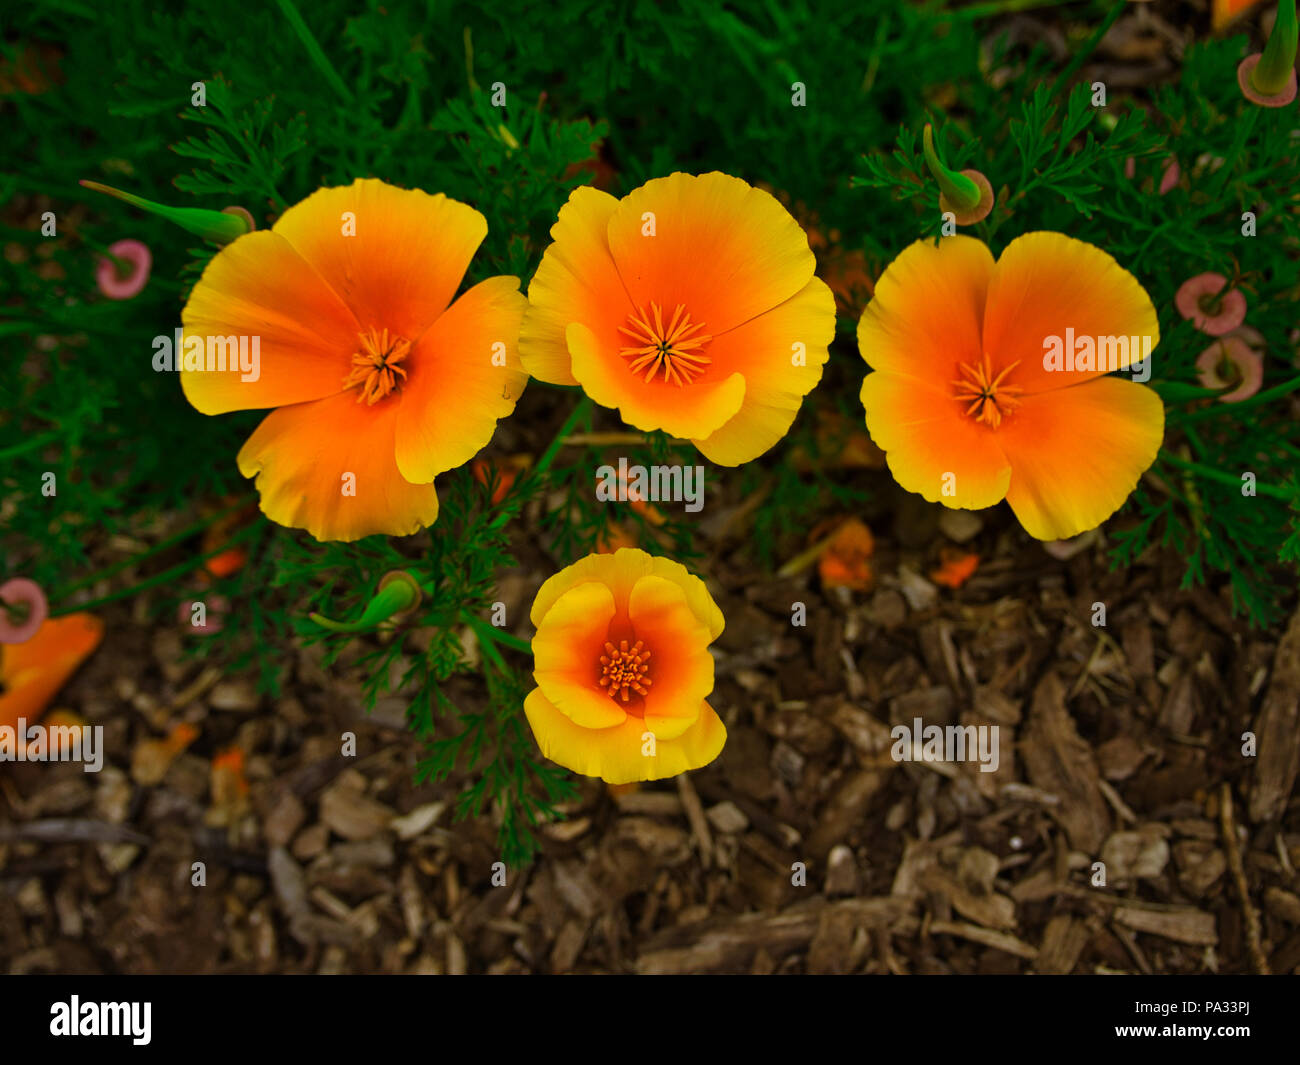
x: 964, y: 402
x: 31, y: 673
x: 690, y: 305
x: 623, y: 667
x: 380, y: 382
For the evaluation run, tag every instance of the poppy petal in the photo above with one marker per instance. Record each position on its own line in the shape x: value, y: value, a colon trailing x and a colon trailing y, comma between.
x: 931, y: 446
x: 681, y: 667
x: 1077, y: 453
x: 614, y: 754
x: 698, y: 409
x: 764, y: 350
x: 32, y: 673
x: 307, y: 456
x: 714, y: 243
x: 577, y: 281
x: 460, y: 383
x: 395, y: 256
x: 1046, y: 283
x: 620, y: 571
x: 566, y: 654
x: 927, y: 315
x: 260, y: 287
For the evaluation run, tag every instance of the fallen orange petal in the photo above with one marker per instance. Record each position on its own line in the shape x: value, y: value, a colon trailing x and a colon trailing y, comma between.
x: 955, y: 567
x: 228, y: 781
x: 32, y: 673
x: 844, y: 561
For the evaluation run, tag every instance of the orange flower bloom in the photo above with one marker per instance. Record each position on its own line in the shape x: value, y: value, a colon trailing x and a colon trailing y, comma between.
x: 623, y: 667
x: 963, y: 402
x: 690, y: 305
x: 31, y: 673
x: 380, y: 382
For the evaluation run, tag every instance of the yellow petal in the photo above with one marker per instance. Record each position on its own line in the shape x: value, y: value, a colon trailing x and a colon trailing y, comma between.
x: 1077, y: 453
x: 258, y: 286
x: 765, y: 350
x: 721, y: 247
x: 577, y: 281
x: 463, y: 376
x: 932, y: 447
x: 926, y: 317
x: 694, y: 410
x: 566, y: 654
x: 615, y: 754
x: 620, y: 571
x: 1047, y: 283
x: 681, y: 668
x: 395, y: 256
x: 304, y: 456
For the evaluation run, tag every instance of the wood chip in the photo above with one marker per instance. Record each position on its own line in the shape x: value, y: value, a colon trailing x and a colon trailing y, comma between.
x: 1181, y: 925
x: 989, y: 938
x: 1059, y: 762
x: 1063, y: 941
x: 1276, y: 729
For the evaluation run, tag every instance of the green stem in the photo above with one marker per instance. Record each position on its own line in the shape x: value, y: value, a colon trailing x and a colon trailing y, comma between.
x: 1222, y: 477
x: 171, y: 541
x: 1089, y: 47
x: 507, y: 640
x: 178, y: 570
x: 1254, y: 401
x: 998, y: 7
x: 579, y: 410
x: 318, y: 57
x: 30, y: 444
x: 486, y: 638
x: 516, y: 495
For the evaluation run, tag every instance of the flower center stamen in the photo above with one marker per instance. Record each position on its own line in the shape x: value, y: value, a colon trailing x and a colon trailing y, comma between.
x: 375, y: 367
x: 674, y: 348
x: 623, y: 669
x: 988, y: 399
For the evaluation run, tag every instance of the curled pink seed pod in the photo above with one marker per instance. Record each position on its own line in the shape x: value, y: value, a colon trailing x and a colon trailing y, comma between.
x: 1231, y: 361
x: 114, y: 285
x: 22, y: 610
x: 1212, y: 310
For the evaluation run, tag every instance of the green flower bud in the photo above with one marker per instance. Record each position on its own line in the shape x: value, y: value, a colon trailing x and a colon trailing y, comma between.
x: 220, y: 227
